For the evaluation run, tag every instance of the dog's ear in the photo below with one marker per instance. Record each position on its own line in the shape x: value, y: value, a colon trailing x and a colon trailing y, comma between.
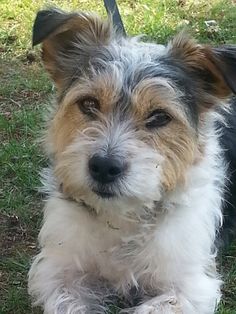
x: 66, y: 36
x: 213, y: 68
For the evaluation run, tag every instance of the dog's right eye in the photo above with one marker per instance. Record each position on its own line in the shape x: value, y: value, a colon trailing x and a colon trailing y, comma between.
x: 88, y: 105
x: 158, y: 118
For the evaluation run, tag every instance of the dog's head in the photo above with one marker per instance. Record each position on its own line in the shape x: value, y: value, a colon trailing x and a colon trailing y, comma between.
x: 130, y: 116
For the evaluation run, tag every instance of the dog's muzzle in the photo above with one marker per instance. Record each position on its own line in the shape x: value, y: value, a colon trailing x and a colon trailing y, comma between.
x: 105, y: 171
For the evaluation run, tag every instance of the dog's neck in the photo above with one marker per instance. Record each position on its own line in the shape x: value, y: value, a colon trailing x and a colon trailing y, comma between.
x: 79, y: 201
x: 143, y: 215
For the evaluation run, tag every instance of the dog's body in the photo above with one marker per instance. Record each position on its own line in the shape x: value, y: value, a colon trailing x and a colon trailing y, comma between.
x: 228, y: 143
x: 138, y: 176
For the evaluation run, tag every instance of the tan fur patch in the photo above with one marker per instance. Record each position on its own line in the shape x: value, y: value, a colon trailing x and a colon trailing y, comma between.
x: 156, y: 93
x: 64, y: 127
x: 177, y: 141
x: 179, y: 147
x: 69, y: 120
x: 200, y: 58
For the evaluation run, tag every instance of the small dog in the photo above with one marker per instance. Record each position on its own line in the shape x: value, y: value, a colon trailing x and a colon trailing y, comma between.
x: 137, y: 177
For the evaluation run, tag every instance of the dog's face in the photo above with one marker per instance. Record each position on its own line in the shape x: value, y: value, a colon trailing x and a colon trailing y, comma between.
x: 130, y: 115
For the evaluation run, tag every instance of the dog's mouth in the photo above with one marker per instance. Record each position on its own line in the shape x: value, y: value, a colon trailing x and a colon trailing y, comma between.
x: 104, y: 194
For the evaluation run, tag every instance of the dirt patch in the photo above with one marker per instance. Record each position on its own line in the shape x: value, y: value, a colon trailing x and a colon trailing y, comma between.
x: 13, y: 235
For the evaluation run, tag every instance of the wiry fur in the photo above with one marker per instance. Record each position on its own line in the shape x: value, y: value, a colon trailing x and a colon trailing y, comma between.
x: 152, y: 244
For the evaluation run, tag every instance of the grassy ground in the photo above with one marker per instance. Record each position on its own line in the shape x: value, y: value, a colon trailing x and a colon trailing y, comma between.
x: 25, y: 92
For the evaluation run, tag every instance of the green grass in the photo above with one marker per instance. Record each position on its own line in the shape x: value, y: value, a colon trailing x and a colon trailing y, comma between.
x: 25, y: 93
x: 227, y: 267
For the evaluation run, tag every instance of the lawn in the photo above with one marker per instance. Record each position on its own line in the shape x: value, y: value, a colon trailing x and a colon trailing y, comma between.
x: 25, y: 94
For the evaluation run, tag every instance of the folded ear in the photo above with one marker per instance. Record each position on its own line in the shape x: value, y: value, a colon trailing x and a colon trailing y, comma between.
x: 68, y: 35
x: 212, y: 69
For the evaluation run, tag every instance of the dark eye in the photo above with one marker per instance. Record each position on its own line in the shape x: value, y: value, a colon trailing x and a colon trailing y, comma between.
x: 88, y: 105
x: 158, y: 118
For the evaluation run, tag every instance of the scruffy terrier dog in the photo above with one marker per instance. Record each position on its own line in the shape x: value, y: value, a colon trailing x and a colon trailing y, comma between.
x: 137, y: 173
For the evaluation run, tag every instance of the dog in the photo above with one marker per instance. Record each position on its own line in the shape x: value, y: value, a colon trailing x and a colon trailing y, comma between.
x: 138, y: 173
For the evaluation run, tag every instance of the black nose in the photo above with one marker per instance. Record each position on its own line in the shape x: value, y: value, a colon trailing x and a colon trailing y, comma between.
x: 105, y: 169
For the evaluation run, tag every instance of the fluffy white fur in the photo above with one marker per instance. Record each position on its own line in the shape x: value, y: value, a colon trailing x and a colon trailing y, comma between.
x: 169, y: 256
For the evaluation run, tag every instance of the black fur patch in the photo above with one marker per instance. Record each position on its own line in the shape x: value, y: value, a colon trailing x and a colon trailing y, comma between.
x: 228, y: 142
x: 46, y: 22
x: 227, y: 64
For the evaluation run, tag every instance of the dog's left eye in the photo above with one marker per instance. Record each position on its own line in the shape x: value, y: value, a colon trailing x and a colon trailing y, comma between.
x: 158, y: 118
x: 88, y: 105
